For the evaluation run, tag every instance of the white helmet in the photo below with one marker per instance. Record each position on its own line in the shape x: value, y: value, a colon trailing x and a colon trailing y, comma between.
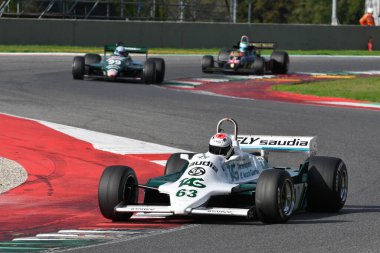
x: 220, y: 144
x: 244, y: 42
x: 369, y: 10
x: 120, y: 50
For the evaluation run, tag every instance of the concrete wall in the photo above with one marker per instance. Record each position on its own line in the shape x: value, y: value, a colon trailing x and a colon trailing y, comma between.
x: 183, y: 35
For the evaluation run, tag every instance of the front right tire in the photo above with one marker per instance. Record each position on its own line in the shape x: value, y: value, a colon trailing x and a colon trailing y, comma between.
x: 207, y: 63
x: 78, y: 67
x: 117, y: 184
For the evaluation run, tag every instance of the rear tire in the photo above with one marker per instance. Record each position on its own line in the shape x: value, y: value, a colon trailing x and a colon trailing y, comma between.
x: 207, y: 63
x: 175, y: 163
x: 280, y: 62
x: 327, y: 184
x: 117, y: 184
x: 160, y: 69
x: 223, y: 57
x: 149, y: 72
x: 274, y: 196
x: 258, y: 66
x: 78, y: 67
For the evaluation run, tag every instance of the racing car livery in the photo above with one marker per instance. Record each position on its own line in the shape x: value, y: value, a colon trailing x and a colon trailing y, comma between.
x: 249, y: 61
x: 113, y: 66
x: 240, y: 183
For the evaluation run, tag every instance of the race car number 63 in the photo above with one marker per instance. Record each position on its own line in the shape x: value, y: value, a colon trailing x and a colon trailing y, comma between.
x: 189, y: 193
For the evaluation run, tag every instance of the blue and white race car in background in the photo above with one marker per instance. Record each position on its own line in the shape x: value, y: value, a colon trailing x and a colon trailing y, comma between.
x: 249, y: 61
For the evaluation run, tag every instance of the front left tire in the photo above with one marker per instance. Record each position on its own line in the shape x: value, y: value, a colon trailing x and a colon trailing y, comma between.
x: 160, y: 69
x: 274, y: 197
x: 149, y: 72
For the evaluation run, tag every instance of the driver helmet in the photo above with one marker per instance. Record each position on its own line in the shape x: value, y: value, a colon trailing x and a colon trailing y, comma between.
x: 220, y: 144
x: 370, y: 10
x: 244, y: 42
x: 120, y: 51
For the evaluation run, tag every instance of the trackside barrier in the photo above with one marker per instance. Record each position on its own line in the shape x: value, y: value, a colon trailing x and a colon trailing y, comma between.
x: 183, y: 34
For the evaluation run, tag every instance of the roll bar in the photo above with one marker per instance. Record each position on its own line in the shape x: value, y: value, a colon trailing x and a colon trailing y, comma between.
x: 220, y: 130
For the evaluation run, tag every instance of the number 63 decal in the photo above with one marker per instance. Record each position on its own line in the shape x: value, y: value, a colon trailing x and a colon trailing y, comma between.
x: 188, y: 193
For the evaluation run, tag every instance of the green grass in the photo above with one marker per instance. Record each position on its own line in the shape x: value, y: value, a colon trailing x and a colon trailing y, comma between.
x: 366, y: 89
x: 201, y: 51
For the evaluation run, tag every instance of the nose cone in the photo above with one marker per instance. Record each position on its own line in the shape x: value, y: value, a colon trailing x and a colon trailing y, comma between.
x: 111, y: 74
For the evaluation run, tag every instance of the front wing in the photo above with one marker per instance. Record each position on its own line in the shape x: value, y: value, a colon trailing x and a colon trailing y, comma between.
x: 128, y: 74
x: 156, y: 209
x: 229, y: 70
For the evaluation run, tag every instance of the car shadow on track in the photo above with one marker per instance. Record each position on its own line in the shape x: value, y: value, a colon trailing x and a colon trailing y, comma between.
x: 360, y: 209
x: 307, y: 218
x: 310, y: 218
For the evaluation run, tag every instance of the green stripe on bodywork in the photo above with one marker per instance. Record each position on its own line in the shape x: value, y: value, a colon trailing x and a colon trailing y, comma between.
x: 155, y: 182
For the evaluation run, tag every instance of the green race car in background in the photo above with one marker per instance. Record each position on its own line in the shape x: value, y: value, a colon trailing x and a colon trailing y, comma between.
x: 114, y: 66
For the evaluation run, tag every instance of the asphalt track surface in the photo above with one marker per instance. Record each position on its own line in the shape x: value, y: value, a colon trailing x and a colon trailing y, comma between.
x: 41, y: 87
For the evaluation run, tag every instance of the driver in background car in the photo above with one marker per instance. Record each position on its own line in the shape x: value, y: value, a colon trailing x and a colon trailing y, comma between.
x: 246, y: 52
x: 120, y: 51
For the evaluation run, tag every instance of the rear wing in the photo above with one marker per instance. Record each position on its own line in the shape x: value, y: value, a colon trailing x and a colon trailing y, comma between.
x: 135, y: 50
x: 263, y: 45
x: 269, y: 143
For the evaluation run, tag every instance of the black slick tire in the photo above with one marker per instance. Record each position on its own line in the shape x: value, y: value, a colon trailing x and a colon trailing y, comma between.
x: 274, y: 198
x: 279, y: 62
x: 327, y: 184
x: 207, y: 63
x: 175, y: 163
x: 149, y: 72
x: 160, y: 69
x: 117, y: 184
x: 258, y: 66
x: 78, y: 67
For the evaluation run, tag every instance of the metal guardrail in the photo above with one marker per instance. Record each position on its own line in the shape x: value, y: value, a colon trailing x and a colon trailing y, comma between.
x: 4, y: 5
x: 155, y: 10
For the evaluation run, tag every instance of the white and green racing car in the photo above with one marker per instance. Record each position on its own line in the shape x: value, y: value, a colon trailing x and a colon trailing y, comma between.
x: 238, y: 181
